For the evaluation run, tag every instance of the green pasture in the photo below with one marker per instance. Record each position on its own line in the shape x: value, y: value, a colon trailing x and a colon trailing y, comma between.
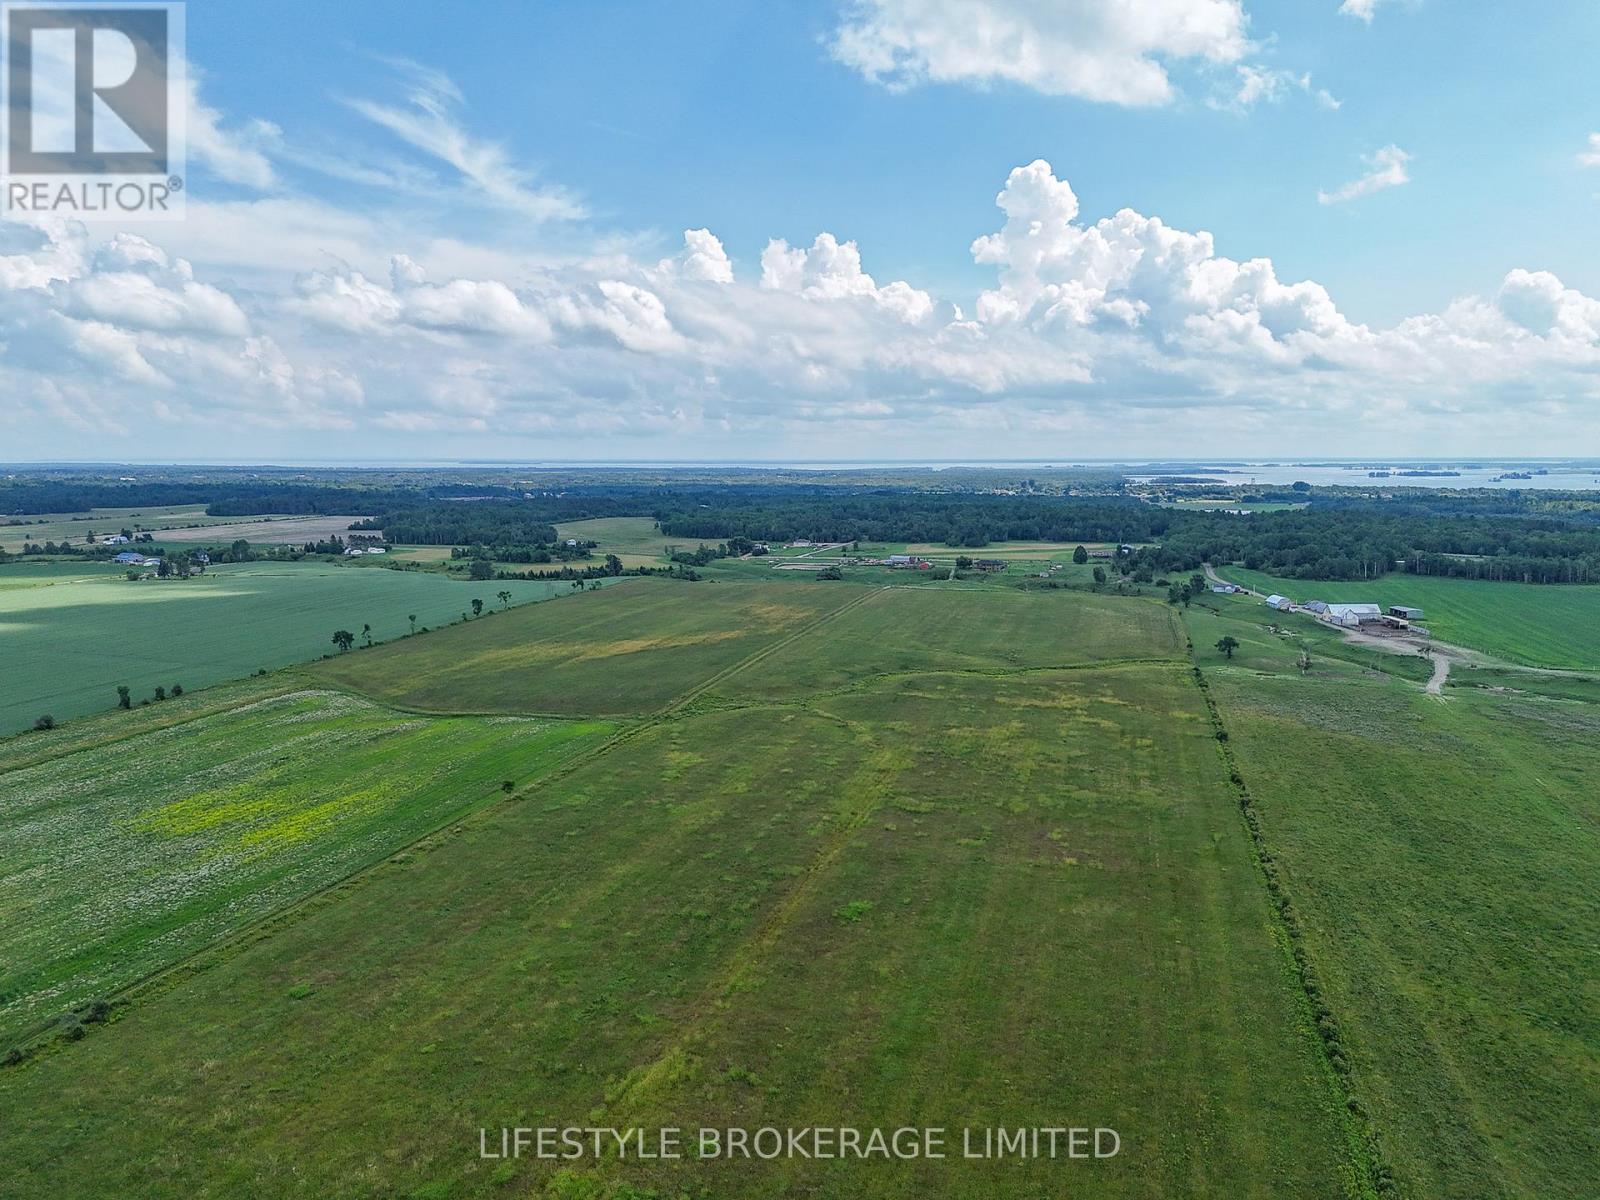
x: 945, y: 900
x: 66, y: 647
x: 1443, y: 859
x: 626, y: 650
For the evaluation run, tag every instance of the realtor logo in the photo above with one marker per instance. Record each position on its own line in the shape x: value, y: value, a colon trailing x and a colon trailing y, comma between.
x: 94, y: 104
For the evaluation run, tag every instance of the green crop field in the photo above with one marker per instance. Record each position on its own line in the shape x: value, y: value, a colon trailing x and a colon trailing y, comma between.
x: 1549, y: 625
x: 1443, y: 858
x: 627, y: 650
x: 68, y: 646
x: 121, y: 859
x: 963, y: 897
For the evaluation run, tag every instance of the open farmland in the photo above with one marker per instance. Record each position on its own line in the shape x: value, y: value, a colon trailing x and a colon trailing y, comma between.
x: 53, y: 527
x: 270, y: 530
x: 911, y: 630
x: 964, y: 897
x: 1443, y: 859
x: 1546, y: 625
x: 635, y: 540
x: 68, y: 646
x: 627, y: 650
x: 179, y: 835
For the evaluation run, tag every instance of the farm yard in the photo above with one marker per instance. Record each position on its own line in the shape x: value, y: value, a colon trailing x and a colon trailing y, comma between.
x: 69, y: 645
x: 1539, y: 625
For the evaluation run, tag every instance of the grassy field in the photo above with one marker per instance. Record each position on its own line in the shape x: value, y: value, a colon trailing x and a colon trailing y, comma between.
x: 907, y: 631
x: 1548, y: 626
x: 179, y: 835
x: 67, y: 647
x: 925, y: 856
x: 627, y: 650
x: 943, y: 899
x: 635, y: 540
x: 1443, y: 860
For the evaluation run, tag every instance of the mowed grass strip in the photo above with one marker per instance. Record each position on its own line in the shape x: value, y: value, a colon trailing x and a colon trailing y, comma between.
x: 1443, y: 859
x: 66, y: 648
x: 905, y: 630
x: 117, y: 861
x: 630, y: 649
x: 1543, y: 625
x: 957, y: 901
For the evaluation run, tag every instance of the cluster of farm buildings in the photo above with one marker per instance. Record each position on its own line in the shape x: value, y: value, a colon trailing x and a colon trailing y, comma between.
x: 1347, y: 616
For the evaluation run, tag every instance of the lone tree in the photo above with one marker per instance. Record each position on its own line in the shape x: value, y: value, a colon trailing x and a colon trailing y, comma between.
x: 160, y: 692
x: 504, y: 597
x: 477, y: 607
x: 343, y: 639
x: 124, y: 697
x: 43, y: 723
x: 412, y: 617
x: 366, y: 633
x: 1228, y: 644
x: 1080, y: 555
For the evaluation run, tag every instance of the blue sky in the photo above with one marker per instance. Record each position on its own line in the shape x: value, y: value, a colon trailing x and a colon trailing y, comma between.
x: 540, y: 164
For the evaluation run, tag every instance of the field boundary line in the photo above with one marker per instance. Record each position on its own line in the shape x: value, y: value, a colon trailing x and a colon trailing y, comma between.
x: 1374, y: 1175
x: 125, y: 735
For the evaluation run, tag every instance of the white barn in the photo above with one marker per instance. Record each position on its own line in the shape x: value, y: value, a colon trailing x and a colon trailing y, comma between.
x: 1350, y: 615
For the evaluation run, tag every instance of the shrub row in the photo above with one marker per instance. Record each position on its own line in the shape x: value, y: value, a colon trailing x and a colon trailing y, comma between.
x: 1380, y: 1173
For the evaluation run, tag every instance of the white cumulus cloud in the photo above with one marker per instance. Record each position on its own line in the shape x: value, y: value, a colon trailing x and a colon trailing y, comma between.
x: 1101, y: 50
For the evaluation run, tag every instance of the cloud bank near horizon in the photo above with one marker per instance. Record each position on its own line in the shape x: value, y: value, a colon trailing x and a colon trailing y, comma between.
x: 283, y: 315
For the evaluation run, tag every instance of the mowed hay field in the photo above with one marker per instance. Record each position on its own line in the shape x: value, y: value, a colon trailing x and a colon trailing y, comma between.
x: 1545, y: 625
x: 903, y: 630
x: 952, y: 899
x: 67, y: 646
x: 125, y: 857
x: 627, y: 650
x: 1443, y: 858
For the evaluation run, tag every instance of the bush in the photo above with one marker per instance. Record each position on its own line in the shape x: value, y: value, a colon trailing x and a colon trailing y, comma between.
x: 177, y: 690
x: 853, y: 912
x: 43, y: 723
x: 508, y: 786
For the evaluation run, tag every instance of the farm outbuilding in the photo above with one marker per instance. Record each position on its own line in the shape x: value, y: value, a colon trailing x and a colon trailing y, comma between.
x: 1316, y: 606
x: 1350, y: 615
x: 1281, y: 603
x: 1405, y: 612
